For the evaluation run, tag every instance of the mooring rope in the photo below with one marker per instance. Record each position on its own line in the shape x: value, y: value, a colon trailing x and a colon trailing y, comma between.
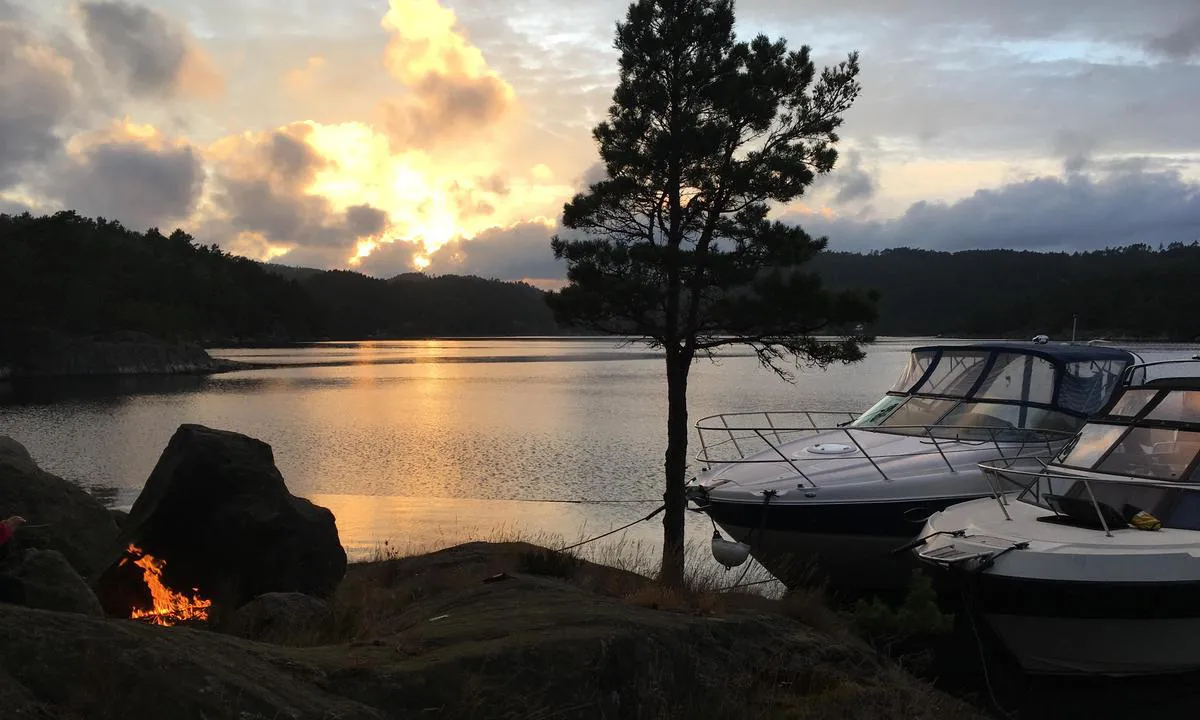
x: 613, y: 532
x: 582, y: 501
x: 762, y: 526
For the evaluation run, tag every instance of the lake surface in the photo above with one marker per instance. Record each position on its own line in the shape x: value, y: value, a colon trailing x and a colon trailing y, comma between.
x: 427, y: 443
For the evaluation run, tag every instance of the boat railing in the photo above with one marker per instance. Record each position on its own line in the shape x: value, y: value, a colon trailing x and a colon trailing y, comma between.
x: 1036, y: 480
x: 1144, y: 368
x: 761, y: 437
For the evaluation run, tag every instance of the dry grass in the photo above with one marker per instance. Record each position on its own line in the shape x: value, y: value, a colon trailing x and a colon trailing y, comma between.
x: 377, y: 591
x: 501, y: 629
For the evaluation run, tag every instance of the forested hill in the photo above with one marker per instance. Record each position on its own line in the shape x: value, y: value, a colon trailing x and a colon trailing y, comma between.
x: 77, y: 275
x: 1129, y: 292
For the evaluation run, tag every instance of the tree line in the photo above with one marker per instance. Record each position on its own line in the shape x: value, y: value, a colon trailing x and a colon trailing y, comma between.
x: 1130, y: 292
x: 85, y: 276
x: 90, y: 276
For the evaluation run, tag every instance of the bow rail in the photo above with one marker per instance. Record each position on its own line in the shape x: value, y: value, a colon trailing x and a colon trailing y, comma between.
x: 775, y: 436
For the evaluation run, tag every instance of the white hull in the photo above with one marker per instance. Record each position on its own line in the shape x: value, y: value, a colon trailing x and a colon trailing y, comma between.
x: 1070, y: 600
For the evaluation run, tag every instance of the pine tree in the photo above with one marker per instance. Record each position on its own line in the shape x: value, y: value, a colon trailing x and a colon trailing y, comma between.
x: 674, y: 247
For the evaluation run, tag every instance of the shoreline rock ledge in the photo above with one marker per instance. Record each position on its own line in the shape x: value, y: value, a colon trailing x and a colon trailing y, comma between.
x: 40, y: 354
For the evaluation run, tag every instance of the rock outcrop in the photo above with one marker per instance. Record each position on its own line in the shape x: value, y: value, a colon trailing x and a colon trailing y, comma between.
x: 52, y: 354
x: 61, y: 516
x: 60, y: 666
x: 282, y: 619
x: 44, y: 579
x: 430, y: 636
x: 217, y: 511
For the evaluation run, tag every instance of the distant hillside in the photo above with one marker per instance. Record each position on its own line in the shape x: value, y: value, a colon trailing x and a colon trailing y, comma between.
x: 80, y: 276
x: 1127, y: 292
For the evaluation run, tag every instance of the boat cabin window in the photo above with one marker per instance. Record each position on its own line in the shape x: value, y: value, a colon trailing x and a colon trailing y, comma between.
x: 879, y: 411
x: 1006, y: 416
x: 946, y: 393
x: 1014, y: 376
x: 916, y: 415
x: 1131, y: 403
x: 1092, y: 442
x: 1178, y: 406
x: 918, y: 412
x: 1159, y: 453
x: 955, y: 374
x: 918, y: 363
x: 1088, y: 385
x: 1151, y: 452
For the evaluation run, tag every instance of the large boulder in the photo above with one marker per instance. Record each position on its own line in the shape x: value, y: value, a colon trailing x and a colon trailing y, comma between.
x: 61, y: 516
x: 217, y: 512
x: 44, y: 579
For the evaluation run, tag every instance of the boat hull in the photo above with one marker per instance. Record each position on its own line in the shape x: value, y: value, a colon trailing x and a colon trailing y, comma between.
x: 851, y: 547
x: 1069, y: 600
x: 1090, y: 628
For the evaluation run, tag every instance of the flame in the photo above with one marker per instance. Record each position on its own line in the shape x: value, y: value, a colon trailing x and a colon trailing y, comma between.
x: 170, y: 607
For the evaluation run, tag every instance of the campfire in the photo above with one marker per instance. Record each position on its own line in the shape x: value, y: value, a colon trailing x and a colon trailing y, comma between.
x: 169, y: 607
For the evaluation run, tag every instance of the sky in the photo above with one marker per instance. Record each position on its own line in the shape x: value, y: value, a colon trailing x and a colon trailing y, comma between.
x: 386, y: 136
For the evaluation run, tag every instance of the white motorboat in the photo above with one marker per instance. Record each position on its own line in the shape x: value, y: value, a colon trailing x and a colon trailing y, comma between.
x: 1094, y: 567
x: 830, y: 495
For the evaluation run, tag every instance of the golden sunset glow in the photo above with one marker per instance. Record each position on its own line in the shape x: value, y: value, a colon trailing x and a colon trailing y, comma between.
x: 428, y: 134
x: 426, y: 41
x: 433, y: 190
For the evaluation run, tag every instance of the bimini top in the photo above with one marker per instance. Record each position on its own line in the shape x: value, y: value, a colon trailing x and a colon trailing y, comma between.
x: 1062, y: 352
x: 1074, y: 379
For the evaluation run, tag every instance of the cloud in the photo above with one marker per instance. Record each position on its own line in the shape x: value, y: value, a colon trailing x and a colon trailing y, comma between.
x: 519, y: 252
x: 304, y: 79
x: 263, y: 196
x: 1125, y: 205
x: 11, y: 206
x: 1181, y: 43
x: 143, y: 181
x: 365, y: 221
x: 852, y: 181
x: 1075, y: 149
x: 450, y: 87
x: 154, y: 56
x: 37, y: 95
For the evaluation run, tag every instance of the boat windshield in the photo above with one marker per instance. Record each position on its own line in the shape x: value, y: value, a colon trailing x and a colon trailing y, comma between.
x: 983, y: 392
x: 1148, y: 434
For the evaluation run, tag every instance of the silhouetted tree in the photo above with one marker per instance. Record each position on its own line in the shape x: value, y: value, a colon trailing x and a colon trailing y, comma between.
x: 703, y: 132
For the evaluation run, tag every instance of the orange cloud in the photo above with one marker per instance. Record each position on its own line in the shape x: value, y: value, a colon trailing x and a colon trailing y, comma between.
x: 303, y: 79
x: 451, y: 90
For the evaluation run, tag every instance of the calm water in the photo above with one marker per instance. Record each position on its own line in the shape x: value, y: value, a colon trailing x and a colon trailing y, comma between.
x: 427, y: 443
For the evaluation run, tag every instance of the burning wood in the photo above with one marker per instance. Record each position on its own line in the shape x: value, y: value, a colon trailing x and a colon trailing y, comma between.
x: 169, y: 607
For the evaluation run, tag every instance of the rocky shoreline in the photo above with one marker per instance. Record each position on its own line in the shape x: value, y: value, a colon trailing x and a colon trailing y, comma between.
x: 487, y: 630
x: 45, y: 354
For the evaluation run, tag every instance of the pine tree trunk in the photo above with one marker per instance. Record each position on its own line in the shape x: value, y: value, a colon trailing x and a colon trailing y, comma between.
x: 678, y: 365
